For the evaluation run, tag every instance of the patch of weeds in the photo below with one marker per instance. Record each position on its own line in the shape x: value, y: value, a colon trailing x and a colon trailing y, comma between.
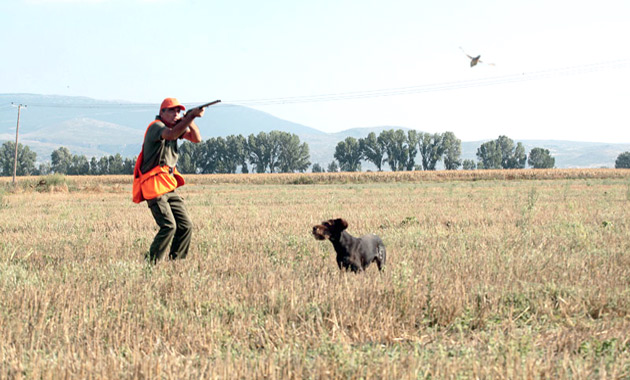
x: 138, y: 243
x: 385, y: 225
x: 301, y: 250
x: 314, y: 312
x: 476, y: 318
x: 532, y: 198
x: 409, y: 221
x: 51, y: 183
x: 464, y: 322
x: 557, y: 295
x: 566, y: 189
x: 528, y: 210
x: 430, y: 315
x: 402, y: 275
x: 3, y: 202
x: 607, y: 349
x: 274, y: 256
x: 303, y: 180
x: 520, y: 305
x: 147, y: 269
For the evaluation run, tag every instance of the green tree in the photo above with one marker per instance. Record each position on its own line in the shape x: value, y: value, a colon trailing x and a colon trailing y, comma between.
x: 501, y: 154
x: 25, y: 159
x: 348, y: 153
x: 489, y: 155
x: 237, y: 146
x: 317, y: 168
x: 623, y: 161
x: 44, y: 169
x: 103, y: 165
x: 189, y: 160
x: 61, y: 160
x: 210, y: 157
x: 128, y: 165
x: 224, y: 155
x: 431, y: 150
x: 395, y: 144
x: 373, y: 150
x: 512, y: 157
x: 452, y: 148
x: 292, y: 156
x: 79, y: 165
x: 519, y: 159
x: 413, y: 141
x: 224, y: 162
x: 540, y: 158
x: 274, y: 147
x: 93, y: 166
x: 261, y: 150
x: 469, y: 165
x: 116, y: 164
x: 333, y: 167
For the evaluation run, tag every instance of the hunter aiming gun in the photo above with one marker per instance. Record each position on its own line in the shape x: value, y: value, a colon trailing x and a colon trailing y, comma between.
x: 204, y: 105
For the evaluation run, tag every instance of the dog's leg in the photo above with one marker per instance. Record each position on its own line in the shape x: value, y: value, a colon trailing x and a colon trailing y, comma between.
x: 349, y: 264
x: 381, y: 257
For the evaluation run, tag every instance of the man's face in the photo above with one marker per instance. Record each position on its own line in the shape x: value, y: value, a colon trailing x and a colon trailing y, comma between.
x: 170, y: 116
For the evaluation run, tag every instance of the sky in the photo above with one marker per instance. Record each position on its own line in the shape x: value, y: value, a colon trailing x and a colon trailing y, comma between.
x: 556, y: 70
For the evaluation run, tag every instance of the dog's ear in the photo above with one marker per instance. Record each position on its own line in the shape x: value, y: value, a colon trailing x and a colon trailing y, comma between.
x: 341, y: 224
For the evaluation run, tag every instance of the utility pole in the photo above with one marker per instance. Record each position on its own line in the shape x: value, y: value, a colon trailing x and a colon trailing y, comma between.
x: 17, y: 130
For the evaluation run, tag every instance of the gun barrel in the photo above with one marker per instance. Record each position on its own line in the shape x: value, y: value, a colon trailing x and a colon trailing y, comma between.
x: 208, y: 104
x: 204, y: 105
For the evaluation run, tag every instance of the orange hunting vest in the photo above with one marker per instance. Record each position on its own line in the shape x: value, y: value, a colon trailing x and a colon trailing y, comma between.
x: 157, y: 181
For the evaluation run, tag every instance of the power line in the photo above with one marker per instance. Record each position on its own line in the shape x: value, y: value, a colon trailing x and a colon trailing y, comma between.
x: 96, y: 105
x: 444, y: 86
x: 397, y: 91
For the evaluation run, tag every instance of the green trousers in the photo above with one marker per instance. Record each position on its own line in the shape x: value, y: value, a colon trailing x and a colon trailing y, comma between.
x: 175, y: 225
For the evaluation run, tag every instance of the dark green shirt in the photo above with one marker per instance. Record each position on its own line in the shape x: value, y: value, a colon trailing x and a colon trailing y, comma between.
x: 158, y: 151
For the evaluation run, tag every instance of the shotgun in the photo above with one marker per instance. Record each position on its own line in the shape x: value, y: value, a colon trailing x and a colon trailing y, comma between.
x: 204, y: 105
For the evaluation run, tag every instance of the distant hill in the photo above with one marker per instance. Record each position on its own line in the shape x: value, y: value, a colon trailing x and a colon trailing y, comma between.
x: 94, y: 127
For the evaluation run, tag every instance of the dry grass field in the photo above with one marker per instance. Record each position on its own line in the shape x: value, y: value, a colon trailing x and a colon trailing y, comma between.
x: 491, y: 274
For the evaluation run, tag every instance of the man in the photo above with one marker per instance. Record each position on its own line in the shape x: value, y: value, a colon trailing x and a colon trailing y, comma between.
x: 156, y: 178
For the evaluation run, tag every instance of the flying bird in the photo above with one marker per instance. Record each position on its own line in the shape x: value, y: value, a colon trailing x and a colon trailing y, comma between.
x: 475, y: 60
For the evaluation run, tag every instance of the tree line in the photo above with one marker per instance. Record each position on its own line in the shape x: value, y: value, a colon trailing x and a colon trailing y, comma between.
x: 400, y: 151
x: 282, y: 152
x: 62, y: 162
x: 271, y: 152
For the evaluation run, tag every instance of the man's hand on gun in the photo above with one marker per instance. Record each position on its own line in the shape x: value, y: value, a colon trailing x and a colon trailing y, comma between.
x: 196, y: 112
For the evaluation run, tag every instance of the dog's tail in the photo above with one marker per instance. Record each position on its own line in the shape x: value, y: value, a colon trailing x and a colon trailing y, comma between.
x: 381, y: 256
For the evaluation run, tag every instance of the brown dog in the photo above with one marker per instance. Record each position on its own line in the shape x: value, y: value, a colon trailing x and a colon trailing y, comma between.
x: 354, y: 254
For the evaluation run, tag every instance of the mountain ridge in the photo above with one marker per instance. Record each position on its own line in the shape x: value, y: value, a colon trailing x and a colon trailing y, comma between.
x: 95, y: 128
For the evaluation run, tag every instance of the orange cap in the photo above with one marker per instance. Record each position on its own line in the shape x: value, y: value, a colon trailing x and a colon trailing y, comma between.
x: 171, y: 103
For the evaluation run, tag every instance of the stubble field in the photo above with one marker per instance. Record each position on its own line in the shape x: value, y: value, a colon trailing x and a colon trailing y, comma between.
x: 490, y: 274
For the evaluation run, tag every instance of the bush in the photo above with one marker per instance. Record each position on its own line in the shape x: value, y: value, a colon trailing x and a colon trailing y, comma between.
x: 50, y: 183
x: 623, y: 161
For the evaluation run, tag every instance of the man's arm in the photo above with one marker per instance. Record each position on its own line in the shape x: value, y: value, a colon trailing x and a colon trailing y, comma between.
x: 192, y: 134
x: 183, y: 126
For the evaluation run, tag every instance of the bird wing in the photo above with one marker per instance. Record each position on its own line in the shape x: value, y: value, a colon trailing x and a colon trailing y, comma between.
x: 467, y: 55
